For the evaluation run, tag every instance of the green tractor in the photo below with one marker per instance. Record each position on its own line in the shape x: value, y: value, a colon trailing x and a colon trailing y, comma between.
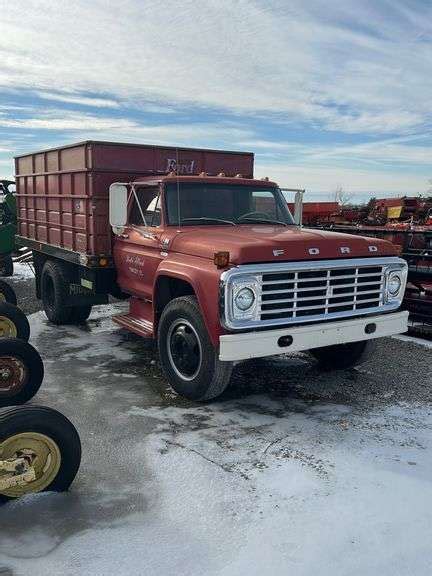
x: 8, y: 226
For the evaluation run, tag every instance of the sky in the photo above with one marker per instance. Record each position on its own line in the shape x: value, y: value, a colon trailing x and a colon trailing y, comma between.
x: 326, y: 93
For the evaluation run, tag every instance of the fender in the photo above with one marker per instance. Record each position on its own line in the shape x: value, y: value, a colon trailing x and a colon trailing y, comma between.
x: 204, y: 277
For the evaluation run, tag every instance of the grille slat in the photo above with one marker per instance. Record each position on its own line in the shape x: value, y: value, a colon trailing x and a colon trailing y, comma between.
x: 322, y: 296
x: 320, y: 292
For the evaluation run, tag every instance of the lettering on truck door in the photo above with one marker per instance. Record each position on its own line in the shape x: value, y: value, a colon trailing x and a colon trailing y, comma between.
x: 138, y: 251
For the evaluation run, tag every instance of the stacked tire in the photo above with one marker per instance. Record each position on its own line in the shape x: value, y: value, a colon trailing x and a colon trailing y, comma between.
x: 41, y: 437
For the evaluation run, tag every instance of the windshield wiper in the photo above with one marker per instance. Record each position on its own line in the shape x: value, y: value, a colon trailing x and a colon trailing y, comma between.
x: 205, y: 219
x: 261, y: 221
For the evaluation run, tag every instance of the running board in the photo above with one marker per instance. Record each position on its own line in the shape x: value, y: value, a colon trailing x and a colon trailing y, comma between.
x: 137, y: 325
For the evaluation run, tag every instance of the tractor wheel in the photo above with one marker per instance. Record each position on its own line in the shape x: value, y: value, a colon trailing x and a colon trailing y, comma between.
x: 21, y: 371
x: 6, y: 266
x: 13, y: 322
x: 7, y: 293
x: 49, y: 443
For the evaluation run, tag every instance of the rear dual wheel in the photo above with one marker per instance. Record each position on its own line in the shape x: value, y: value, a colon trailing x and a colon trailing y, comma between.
x: 54, y: 288
x: 48, y: 441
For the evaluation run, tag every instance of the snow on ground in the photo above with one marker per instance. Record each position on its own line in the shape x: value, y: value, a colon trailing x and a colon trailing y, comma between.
x: 292, y: 472
x: 22, y: 271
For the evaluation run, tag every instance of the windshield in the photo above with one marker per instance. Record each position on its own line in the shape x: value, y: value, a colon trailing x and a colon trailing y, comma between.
x: 225, y: 204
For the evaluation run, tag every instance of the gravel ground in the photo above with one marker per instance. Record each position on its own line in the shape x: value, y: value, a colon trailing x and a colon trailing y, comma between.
x: 291, y: 471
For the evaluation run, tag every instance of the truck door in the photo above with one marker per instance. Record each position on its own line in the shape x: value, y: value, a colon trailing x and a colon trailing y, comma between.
x: 137, y: 252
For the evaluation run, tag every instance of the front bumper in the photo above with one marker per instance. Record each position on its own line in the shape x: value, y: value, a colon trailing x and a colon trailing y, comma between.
x: 268, y: 342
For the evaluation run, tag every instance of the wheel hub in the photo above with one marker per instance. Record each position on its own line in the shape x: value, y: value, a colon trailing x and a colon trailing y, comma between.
x: 13, y: 375
x: 42, y: 454
x: 184, y: 349
x: 7, y: 328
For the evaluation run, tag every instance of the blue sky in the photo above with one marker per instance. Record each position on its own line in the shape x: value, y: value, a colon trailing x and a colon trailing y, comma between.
x: 325, y: 93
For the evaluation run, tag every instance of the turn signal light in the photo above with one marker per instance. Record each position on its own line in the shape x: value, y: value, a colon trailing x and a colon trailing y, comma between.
x: 221, y: 259
x: 103, y: 262
x: 221, y: 175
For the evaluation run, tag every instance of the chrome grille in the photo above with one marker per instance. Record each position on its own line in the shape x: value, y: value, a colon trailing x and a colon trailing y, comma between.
x: 324, y: 293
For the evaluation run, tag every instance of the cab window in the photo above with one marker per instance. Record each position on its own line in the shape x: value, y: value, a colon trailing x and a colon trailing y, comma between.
x: 145, y: 203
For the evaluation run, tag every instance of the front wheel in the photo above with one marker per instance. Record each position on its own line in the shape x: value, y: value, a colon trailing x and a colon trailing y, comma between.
x: 340, y: 356
x: 45, y: 447
x: 188, y: 357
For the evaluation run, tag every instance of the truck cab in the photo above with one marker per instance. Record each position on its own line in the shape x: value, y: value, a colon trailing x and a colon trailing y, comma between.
x: 218, y: 271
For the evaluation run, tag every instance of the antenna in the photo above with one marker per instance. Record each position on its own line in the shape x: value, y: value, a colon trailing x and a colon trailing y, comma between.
x: 178, y: 188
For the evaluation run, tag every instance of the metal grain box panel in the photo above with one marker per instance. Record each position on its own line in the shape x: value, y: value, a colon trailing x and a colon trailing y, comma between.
x: 62, y: 194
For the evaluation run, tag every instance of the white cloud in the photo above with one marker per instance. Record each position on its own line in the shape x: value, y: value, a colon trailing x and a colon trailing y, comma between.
x: 350, y: 67
x: 399, y: 152
x: 325, y: 179
x: 80, y: 100
x: 71, y: 122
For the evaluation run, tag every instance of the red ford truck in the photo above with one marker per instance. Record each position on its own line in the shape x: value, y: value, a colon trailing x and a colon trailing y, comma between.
x: 213, y: 264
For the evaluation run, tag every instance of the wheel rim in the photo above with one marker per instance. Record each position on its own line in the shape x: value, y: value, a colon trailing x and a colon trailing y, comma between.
x: 44, y: 455
x: 13, y: 375
x: 184, y: 349
x: 7, y: 328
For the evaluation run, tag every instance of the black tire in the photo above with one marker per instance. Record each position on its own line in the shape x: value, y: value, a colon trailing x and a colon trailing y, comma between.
x: 80, y: 314
x: 7, y: 293
x: 21, y: 371
x: 54, y: 293
x: 58, y: 429
x: 340, y: 356
x: 13, y: 322
x: 6, y: 266
x: 209, y: 378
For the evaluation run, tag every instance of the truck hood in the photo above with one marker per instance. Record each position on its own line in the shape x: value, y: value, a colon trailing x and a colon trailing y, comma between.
x: 261, y: 243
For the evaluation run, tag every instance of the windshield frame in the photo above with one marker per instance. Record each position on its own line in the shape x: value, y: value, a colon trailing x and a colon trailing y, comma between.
x: 280, y: 200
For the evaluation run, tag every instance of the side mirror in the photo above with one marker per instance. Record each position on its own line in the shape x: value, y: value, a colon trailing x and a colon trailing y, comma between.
x: 118, y: 204
x: 298, y: 208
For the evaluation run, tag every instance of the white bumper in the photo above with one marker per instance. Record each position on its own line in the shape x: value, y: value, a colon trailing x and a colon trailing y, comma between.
x: 266, y: 343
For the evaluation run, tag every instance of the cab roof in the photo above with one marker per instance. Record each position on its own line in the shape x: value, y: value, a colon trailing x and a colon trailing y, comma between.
x: 232, y: 180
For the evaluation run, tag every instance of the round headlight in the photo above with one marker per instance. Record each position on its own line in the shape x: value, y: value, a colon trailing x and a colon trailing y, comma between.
x: 394, y: 284
x: 244, y: 299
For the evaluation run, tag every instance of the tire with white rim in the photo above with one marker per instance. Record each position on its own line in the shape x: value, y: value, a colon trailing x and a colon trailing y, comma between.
x: 47, y: 440
x: 13, y: 322
x: 189, y: 359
